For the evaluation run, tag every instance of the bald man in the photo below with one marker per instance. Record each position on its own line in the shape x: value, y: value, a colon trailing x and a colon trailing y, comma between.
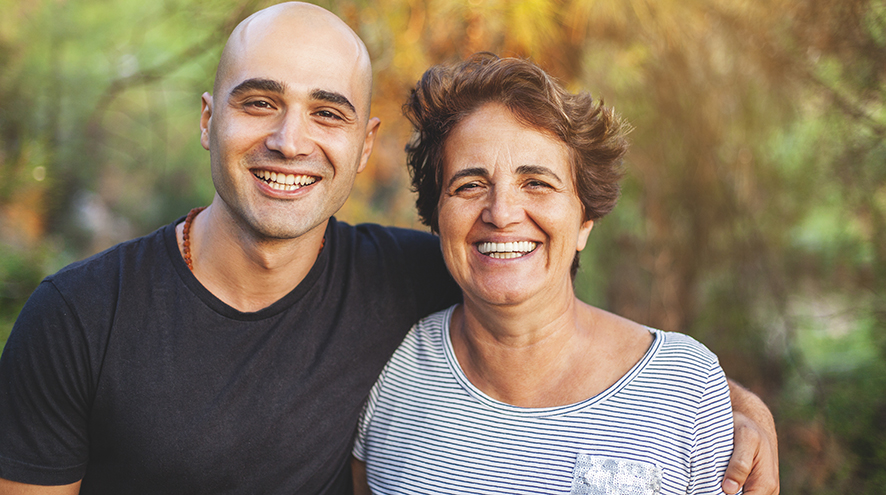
x: 230, y: 351
x: 135, y: 374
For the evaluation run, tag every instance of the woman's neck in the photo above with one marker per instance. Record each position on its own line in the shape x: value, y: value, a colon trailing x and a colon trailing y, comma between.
x: 560, y: 356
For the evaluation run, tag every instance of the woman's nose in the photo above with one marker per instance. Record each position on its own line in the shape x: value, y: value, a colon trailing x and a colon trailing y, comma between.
x: 504, y: 208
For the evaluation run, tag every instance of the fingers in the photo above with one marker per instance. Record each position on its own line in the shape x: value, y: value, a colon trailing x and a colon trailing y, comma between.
x: 746, y: 445
x: 763, y: 478
x: 761, y: 486
x: 754, y: 462
x: 730, y: 486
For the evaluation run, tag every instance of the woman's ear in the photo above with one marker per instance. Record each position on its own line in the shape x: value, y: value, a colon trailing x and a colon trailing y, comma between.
x: 583, y: 232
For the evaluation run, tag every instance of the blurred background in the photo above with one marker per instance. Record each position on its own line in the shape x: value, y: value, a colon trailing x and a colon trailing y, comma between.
x: 753, y: 214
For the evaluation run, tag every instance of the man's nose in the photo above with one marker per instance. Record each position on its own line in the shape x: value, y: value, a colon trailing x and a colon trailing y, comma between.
x: 291, y: 136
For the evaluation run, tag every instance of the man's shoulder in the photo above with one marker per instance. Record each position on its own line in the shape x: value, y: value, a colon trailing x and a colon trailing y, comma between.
x: 404, y: 262
x: 376, y: 231
x: 131, y: 256
x: 369, y: 239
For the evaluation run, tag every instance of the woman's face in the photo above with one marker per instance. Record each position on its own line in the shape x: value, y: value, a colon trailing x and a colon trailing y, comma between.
x: 510, y: 220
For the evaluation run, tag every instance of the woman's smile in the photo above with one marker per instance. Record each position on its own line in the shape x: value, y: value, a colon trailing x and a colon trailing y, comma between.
x: 506, y: 250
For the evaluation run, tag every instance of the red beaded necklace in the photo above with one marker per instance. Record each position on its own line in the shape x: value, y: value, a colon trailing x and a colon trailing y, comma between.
x: 186, y: 237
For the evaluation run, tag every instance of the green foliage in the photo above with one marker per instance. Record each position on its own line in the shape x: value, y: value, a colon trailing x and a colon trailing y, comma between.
x: 836, y: 415
x: 753, y: 213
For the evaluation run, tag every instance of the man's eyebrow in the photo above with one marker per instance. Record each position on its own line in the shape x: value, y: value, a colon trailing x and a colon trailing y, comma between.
x: 333, y: 97
x: 468, y: 172
x: 256, y: 84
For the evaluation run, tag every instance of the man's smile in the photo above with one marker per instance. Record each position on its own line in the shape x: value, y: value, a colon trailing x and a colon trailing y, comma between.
x: 284, y: 182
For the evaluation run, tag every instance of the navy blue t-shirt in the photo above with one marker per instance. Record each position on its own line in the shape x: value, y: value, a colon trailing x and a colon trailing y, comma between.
x: 123, y: 370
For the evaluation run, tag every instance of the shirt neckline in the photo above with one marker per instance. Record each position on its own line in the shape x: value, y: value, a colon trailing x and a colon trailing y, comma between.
x: 222, y: 308
x: 452, y: 361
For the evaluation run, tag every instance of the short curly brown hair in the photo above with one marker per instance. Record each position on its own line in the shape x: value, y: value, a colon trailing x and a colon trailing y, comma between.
x: 446, y: 95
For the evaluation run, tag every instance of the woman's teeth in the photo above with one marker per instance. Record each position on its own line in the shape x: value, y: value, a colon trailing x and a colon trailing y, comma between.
x: 506, y: 250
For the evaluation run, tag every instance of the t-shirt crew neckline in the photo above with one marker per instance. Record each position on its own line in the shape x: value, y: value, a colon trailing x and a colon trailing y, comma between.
x: 222, y: 308
x: 512, y: 410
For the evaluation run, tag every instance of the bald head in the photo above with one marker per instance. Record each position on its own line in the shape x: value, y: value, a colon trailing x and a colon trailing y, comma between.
x: 297, y: 29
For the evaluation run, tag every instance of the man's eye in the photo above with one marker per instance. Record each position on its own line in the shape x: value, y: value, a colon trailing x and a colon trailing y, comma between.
x: 259, y: 104
x: 326, y: 114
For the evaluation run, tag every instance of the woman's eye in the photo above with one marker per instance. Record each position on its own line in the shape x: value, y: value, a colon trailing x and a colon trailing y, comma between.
x: 467, y: 187
x: 537, y: 184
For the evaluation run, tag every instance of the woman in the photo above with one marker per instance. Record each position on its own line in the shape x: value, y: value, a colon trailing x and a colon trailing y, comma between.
x: 523, y: 388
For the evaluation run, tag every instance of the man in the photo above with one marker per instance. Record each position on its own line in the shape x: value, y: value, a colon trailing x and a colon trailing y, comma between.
x: 231, y: 352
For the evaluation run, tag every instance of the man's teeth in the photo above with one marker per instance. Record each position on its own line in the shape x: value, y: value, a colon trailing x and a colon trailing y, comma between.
x: 284, y: 182
x: 506, y: 250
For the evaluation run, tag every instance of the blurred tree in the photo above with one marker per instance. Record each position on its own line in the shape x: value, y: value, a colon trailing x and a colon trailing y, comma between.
x: 97, y: 126
x: 753, y: 213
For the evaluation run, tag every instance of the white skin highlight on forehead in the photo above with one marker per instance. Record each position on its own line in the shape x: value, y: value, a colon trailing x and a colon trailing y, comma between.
x: 296, y: 21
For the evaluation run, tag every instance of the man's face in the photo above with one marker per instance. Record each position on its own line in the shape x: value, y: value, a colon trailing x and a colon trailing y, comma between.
x: 288, y: 127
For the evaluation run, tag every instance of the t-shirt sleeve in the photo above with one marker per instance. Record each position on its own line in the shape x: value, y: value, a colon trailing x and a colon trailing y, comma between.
x: 712, y: 435
x: 44, y: 390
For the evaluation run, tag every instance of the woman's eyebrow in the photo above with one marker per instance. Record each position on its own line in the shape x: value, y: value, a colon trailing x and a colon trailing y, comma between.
x: 537, y: 170
x: 468, y: 172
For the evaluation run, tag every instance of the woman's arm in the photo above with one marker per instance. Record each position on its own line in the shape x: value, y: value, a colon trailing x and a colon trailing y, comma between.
x: 754, y: 462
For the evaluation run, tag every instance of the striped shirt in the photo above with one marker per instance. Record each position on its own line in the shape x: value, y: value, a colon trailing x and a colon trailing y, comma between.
x: 665, y: 427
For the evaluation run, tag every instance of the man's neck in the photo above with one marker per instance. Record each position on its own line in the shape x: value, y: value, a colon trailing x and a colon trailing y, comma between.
x: 245, y: 272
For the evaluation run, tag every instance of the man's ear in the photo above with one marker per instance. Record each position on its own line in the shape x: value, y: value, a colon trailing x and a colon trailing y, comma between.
x: 371, y: 131
x: 205, y: 119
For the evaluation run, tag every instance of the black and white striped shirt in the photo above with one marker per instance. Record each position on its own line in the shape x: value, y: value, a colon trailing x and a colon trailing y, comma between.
x: 664, y: 427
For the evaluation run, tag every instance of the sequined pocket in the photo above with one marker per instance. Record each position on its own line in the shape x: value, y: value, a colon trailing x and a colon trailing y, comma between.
x: 600, y: 475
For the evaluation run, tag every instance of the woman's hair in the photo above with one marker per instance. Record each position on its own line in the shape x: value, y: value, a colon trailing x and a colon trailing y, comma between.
x: 446, y: 95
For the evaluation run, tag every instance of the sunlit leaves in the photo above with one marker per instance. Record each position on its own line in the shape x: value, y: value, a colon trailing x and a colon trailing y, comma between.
x: 755, y: 182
